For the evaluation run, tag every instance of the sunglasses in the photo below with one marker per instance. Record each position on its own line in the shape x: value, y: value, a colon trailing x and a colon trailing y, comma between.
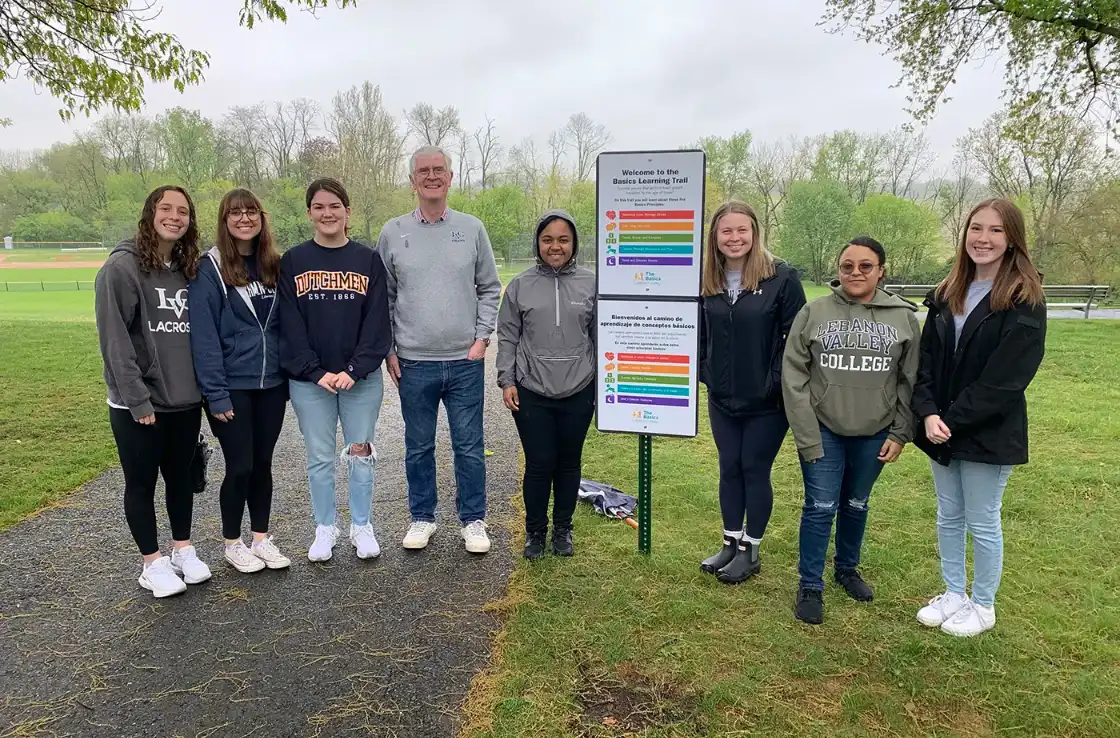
x: 865, y: 268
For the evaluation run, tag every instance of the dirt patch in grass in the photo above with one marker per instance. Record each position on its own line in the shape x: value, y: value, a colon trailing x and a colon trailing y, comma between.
x: 625, y: 701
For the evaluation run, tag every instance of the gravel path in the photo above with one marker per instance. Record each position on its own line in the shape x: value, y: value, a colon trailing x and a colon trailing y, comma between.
x: 380, y: 648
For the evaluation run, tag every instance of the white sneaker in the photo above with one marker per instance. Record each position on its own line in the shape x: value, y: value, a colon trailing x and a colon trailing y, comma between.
x: 186, y: 564
x: 475, y: 536
x: 241, y: 558
x: 970, y: 620
x: 365, y: 542
x: 266, y: 551
x: 941, y: 608
x: 160, y: 579
x: 322, y: 548
x: 419, y: 533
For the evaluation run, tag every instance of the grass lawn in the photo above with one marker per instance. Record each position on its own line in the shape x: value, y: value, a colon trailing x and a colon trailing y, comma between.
x: 53, y: 417
x: 612, y: 643
x: 63, y: 278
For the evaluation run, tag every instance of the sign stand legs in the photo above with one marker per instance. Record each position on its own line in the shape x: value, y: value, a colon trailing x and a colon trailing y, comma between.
x: 645, y: 488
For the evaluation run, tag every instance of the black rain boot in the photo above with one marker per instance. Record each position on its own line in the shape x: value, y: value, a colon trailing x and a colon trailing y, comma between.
x: 534, y: 544
x: 712, y: 564
x: 562, y: 540
x: 744, y: 566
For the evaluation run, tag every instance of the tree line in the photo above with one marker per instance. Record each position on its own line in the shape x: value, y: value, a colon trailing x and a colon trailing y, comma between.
x: 811, y: 193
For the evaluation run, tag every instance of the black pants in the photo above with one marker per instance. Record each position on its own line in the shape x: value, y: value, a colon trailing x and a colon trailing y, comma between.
x: 247, y: 444
x: 552, y: 433
x: 146, y: 451
x: 747, y: 448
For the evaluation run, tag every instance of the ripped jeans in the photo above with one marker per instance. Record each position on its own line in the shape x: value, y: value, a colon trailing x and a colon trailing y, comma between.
x: 319, y: 413
x: 837, y: 486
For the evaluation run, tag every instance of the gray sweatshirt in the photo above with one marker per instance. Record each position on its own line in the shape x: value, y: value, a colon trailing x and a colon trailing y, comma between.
x: 443, y: 285
x: 546, y: 326
x: 144, y: 330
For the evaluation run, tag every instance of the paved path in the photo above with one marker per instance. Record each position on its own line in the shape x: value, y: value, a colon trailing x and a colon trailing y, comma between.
x: 381, y: 648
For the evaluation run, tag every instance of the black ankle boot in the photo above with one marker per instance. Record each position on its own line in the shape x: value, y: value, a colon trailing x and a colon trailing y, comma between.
x: 534, y: 544
x: 712, y: 564
x: 744, y: 566
x: 562, y: 540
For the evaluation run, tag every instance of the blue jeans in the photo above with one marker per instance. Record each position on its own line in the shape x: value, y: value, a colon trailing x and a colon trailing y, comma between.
x: 319, y: 413
x: 461, y: 386
x: 970, y: 496
x: 837, y: 486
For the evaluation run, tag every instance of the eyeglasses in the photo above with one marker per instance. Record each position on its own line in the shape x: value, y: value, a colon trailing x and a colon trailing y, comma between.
x: 865, y: 268
x: 250, y: 213
x: 433, y: 171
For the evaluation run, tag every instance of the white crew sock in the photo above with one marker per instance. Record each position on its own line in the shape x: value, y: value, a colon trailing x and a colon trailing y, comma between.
x: 753, y: 541
x: 736, y: 534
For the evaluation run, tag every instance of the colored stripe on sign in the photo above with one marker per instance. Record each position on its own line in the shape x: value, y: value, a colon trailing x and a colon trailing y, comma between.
x: 651, y: 379
x: 653, y: 369
x: 657, y: 225
x: 637, y: 389
x: 655, y: 358
x: 642, y: 400
x: 657, y: 215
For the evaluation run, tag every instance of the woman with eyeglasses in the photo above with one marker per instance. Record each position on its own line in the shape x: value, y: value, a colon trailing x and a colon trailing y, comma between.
x: 235, y: 342
x: 847, y: 377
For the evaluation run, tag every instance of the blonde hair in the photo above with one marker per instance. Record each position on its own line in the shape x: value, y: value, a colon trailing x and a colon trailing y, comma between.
x: 758, y: 265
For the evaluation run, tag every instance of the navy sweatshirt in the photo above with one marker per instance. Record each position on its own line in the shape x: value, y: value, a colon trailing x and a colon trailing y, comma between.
x: 334, y: 311
x: 234, y: 333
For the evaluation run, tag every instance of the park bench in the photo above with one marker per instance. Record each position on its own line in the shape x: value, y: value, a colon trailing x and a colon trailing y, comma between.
x: 1083, y: 297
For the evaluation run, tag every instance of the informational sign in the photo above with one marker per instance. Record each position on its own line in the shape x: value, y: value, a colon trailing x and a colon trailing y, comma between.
x: 647, y: 366
x: 651, y: 222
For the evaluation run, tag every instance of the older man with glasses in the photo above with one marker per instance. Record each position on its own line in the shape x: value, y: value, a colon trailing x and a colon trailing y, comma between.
x: 443, y: 304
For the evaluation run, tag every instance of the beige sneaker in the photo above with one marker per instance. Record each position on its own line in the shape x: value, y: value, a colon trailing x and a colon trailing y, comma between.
x: 419, y: 533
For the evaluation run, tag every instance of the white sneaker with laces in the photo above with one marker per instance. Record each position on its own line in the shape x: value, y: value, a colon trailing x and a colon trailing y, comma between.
x: 266, y: 551
x: 941, y: 608
x: 419, y: 533
x: 970, y: 620
x: 160, y: 579
x: 474, y: 533
x: 241, y: 558
x: 322, y: 548
x: 186, y: 564
x: 365, y: 542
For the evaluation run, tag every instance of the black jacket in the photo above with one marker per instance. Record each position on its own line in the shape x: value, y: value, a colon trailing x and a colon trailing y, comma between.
x: 979, y: 387
x: 741, y: 344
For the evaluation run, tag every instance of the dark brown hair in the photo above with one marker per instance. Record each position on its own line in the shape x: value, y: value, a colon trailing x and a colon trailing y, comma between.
x: 233, y: 264
x: 759, y: 264
x: 327, y: 184
x: 1017, y: 279
x: 185, y: 252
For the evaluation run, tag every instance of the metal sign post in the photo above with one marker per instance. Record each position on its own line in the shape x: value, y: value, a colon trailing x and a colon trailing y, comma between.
x: 645, y: 491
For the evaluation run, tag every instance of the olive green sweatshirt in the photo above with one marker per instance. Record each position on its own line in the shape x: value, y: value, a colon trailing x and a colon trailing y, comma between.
x: 850, y: 366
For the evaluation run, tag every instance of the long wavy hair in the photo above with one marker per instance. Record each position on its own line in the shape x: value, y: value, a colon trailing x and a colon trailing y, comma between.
x: 1018, y: 280
x: 185, y: 251
x: 233, y: 264
x: 759, y: 264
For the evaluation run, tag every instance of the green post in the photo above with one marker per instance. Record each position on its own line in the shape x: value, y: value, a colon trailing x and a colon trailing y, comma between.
x: 645, y: 488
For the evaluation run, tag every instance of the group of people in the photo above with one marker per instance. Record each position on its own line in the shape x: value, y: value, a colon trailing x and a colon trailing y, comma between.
x: 238, y: 331
x: 855, y: 375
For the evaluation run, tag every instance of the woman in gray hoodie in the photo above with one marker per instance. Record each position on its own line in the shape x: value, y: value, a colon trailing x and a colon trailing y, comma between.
x: 143, y: 326
x: 848, y: 373
x: 546, y: 369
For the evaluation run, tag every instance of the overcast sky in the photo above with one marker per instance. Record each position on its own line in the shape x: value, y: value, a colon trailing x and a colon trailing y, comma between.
x: 658, y: 73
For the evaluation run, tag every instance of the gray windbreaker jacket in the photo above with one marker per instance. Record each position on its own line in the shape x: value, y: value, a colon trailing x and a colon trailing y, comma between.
x: 546, y: 331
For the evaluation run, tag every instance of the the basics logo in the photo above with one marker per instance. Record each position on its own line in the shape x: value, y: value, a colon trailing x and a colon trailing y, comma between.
x: 646, y: 278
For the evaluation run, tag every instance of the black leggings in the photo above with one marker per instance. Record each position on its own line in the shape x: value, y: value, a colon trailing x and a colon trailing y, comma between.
x: 247, y: 444
x: 146, y: 451
x: 552, y: 433
x: 747, y: 448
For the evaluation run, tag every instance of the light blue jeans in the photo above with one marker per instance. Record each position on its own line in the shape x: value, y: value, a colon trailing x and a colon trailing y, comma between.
x: 970, y: 496
x: 319, y: 413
